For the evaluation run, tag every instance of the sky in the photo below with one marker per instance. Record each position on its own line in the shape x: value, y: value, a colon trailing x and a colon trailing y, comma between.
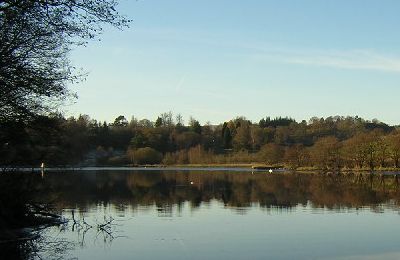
x: 219, y: 59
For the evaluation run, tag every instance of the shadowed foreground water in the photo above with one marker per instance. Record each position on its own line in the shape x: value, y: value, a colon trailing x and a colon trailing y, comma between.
x: 220, y: 215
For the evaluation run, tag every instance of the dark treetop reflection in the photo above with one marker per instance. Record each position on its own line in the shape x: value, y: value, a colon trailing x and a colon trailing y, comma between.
x: 83, y: 190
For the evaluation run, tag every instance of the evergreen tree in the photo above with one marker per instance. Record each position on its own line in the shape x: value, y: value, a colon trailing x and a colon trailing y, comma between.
x: 159, y: 122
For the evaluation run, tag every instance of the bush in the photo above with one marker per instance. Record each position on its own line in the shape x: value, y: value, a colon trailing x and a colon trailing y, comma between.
x: 146, y: 155
x: 117, y: 160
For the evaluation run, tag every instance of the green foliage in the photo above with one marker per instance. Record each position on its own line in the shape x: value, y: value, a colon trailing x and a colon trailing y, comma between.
x: 138, y: 141
x: 158, y: 122
x: 120, y: 121
x: 226, y: 137
x: 194, y: 126
x: 277, y: 121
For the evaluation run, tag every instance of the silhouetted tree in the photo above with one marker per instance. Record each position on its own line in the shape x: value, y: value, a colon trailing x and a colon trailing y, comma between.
x: 35, y: 39
x: 120, y: 121
x: 194, y: 125
x: 226, y: 136
x: 159, y: 122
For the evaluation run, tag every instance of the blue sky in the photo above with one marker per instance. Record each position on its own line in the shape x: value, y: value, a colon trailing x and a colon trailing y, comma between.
x: 216, y: 59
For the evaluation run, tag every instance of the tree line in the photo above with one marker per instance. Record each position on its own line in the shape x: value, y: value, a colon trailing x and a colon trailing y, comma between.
x: 331, y: 143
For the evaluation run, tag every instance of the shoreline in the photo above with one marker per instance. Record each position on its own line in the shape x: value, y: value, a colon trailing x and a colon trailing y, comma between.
x: 245, y: 167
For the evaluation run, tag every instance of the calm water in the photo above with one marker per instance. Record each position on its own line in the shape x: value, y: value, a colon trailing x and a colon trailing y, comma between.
x: 220, y: 215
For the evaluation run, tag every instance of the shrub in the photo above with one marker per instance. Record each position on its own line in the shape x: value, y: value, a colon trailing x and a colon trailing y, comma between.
x: 146, y: 155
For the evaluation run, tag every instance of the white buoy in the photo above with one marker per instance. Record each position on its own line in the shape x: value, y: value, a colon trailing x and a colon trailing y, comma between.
x: 42, y: 166
x: 270, y: 171
x: 191, y: 183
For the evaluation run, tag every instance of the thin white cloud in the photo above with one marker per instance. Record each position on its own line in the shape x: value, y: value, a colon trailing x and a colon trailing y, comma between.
x: 356, y: 59
x: 180, y: 84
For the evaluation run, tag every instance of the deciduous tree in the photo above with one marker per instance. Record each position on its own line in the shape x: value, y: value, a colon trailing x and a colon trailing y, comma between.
x: 36, y: 37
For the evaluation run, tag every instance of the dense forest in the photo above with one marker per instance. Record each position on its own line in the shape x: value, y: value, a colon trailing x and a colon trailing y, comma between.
x: 330, y: 143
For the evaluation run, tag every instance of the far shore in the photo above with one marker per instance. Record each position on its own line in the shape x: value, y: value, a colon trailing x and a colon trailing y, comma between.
x: 262, y: 166
x: 248, y: 167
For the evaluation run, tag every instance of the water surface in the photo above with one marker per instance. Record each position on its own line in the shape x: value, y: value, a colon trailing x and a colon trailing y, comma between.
x: 156, y: 214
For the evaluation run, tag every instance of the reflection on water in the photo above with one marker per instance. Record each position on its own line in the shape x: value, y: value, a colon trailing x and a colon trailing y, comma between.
x: 83, y: 190
x: 224, y: 215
